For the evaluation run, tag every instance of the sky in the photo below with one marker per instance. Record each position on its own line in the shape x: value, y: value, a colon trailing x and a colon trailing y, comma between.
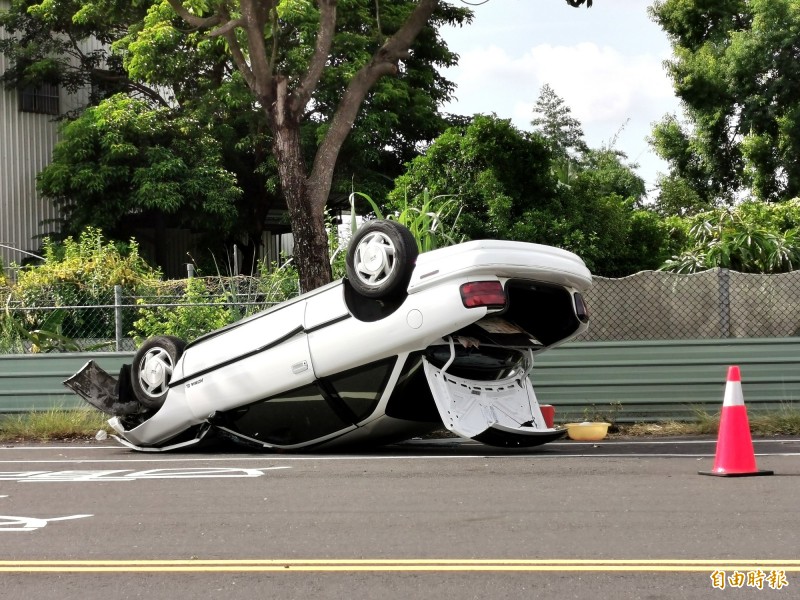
x: 605, y: 62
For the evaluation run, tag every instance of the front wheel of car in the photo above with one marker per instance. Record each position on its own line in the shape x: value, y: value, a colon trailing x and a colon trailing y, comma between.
x: 152, y: 369
x: 380, y: 259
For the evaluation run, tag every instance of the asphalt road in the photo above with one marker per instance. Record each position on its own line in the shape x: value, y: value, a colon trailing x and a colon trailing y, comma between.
x: 423, y: 519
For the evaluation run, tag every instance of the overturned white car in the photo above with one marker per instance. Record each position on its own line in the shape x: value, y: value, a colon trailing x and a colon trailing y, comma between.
x: 403, y: 345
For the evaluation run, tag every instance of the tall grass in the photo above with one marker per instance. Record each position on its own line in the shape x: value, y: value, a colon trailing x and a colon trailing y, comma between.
x: 52, y: 424
x: 432, y: 220
x: 785, y: 421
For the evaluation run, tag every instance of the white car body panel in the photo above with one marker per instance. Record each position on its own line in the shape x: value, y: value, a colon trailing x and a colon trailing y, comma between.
x: 441, y: 312
x: 503, y: 259
x: 469, y: 407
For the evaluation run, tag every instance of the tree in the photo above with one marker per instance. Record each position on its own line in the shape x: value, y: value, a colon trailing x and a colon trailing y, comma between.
x: 506, y: 184
x: 284, y: 89
x: 122, y: 162
x: 285, y: 52
x: 607, y: 222
x: 735, y: 68
x: 556, y: 124
x: 497, y: 172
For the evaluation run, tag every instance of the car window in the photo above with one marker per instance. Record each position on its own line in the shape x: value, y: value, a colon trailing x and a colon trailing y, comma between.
x: 361, y: 388
x: 290, y: 418
x: 316, y: 410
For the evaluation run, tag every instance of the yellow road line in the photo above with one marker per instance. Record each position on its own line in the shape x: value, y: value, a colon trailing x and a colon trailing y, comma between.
x: 395, y: 565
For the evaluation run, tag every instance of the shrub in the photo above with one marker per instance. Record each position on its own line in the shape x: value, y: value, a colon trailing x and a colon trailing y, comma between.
x: 80, y: 272
x: 198, y: 311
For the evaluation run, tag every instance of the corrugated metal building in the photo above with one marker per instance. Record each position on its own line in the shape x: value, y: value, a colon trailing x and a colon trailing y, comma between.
x: 28, y: 133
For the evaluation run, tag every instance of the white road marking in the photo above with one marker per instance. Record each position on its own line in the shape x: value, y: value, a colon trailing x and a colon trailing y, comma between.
x: 128, y: 475
x: 31, y: 523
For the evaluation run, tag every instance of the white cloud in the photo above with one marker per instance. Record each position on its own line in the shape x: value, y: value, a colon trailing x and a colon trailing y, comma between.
x: 611, y: 93
x: 599, y: 84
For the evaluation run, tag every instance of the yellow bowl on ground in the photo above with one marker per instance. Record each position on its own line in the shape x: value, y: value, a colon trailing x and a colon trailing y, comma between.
x: 586, y: 431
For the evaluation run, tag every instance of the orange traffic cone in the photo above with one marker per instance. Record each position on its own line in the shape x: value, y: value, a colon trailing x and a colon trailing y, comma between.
x: 735, y: 456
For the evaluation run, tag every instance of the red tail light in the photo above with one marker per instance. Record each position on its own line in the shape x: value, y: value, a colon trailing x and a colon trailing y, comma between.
x: 483, y: 293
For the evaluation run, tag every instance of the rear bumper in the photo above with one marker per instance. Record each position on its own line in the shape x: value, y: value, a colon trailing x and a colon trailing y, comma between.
x: 502, y: 259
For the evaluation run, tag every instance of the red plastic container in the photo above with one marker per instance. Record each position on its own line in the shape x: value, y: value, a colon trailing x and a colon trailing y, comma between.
x: 549, y: 414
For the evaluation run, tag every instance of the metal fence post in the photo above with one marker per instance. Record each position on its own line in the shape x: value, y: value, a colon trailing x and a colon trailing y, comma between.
x: 118, y: 316
x: 725, y: 302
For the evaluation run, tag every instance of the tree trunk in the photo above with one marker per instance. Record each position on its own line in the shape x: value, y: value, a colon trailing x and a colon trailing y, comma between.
x: 306, y: 212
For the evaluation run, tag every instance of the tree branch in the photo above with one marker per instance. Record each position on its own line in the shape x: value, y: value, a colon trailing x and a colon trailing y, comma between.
x: 193, y: 19
x: 223, y: 29
x: 327, y: 28
x: 384, y: 62
x: 255, y: 14
x: 227, y: 30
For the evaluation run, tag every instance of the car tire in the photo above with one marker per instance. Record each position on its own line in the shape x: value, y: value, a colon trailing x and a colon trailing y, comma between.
x: 152, y: 369
x: 380, y: 259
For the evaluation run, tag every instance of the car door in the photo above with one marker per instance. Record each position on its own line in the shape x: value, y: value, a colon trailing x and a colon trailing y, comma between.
x: 253, y: 360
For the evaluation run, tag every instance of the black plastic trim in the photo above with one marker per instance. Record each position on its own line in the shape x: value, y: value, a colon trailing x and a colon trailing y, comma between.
x: 328, y: 323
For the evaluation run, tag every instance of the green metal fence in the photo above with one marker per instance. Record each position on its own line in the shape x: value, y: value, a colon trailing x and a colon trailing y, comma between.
x: 631, y: 381
x: 35, y: 381
x: 651, y: 381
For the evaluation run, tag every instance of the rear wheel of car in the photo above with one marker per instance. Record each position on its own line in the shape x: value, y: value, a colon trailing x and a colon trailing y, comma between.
x: 380, y: 259
x: 152, y: 369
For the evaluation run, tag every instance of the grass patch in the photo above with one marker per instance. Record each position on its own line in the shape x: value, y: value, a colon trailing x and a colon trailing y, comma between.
x: 52, y: 424
x: 785, y: 421
x: 63, y: 424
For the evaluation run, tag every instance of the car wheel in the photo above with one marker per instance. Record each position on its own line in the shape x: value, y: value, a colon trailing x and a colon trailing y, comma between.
x: 380, y: 259
x: 152, y: 369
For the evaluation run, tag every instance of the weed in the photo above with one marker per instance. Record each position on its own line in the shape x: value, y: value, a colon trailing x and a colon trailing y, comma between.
x: 52, y: 424
x: 785, y: 421
x: 595, y: 414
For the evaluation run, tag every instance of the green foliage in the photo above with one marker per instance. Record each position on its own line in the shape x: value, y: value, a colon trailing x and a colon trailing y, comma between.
x: 751, y: 238
x: 89, y: 264
x: 735, y: 68
x: 498, y: 173
x: 678, y: 196
x: 506, y: 183
x: 193, y: 307
x: 79, y: 272
x: 10, y: 337
x: 52, y: 424
x: 197, y: 312
x: 49, y: 337
x: 122, y: 159
x: 556, y: 124
x: 602, y: 219
x: 431, y: 220
x: 278, y: 282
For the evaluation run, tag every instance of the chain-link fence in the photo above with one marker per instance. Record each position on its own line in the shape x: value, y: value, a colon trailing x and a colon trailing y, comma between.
x: 719, y: 303
x: 646, y: 306
x: 68, y: 318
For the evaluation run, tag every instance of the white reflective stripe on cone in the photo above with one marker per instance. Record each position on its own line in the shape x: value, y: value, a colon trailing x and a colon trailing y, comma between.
x: 733, y: 389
